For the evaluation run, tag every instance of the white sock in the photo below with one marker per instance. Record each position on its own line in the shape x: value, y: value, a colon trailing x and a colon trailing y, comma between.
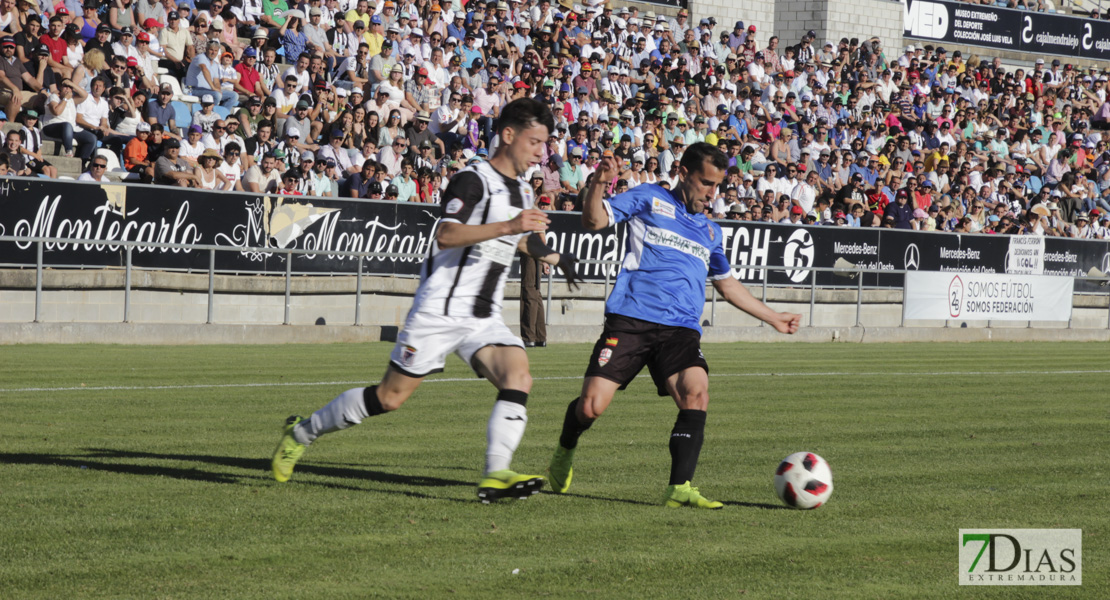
x: 345, y: 410
x: 506, y: 427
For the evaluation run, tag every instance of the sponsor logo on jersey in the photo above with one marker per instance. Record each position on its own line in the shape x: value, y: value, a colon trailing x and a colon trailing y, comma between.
x: 408, y: 355
x: 662, y: 237
x: 603, y: 358
x: 662, y: 207
x: 610, y: 341
x: 453, y: 207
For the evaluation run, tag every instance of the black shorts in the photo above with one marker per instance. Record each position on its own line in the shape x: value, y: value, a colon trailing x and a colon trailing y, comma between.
x: 627, y: 344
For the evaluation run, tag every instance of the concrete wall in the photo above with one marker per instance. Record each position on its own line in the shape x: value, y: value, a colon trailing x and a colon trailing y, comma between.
x: 81, y: 297
x: 864, y: 19
x: 831, y: 19
x: 760, y: 13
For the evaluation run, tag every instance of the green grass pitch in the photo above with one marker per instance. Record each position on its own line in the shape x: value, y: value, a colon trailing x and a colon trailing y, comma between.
x: 143, y: 472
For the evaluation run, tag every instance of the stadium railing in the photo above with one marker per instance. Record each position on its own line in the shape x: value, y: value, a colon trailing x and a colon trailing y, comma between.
x: 847, y: 270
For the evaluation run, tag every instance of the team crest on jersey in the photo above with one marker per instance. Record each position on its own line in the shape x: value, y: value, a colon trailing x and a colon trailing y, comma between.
x: 610, y: 341
x: 453, y: 206
x: 662, y: 207
x: 526, y: 192
x: 712, y: 235
x: 603, y: 358
x: 408, y: 355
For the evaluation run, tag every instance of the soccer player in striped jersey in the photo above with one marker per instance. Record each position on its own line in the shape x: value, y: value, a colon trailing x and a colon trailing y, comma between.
x: 652, y: 316
x: 488, y: 214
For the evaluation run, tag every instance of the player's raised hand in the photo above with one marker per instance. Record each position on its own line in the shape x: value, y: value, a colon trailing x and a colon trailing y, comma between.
x: 531, y: 219
x: 607, y: 169
x: 786, y: 322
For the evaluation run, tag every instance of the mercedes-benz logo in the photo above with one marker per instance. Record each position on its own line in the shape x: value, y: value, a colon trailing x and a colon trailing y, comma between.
x: 1106, y: 263
x: 912, y: 258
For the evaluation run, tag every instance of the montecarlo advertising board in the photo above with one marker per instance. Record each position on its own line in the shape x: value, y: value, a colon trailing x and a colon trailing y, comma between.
x: 1006, y: 29
x: 113, y: 212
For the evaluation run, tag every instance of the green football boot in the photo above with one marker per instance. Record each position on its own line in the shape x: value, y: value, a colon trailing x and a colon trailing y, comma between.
x: 288, y: 451
x: 561, y: 470
x: 684, y: 495
x: 507, y: 484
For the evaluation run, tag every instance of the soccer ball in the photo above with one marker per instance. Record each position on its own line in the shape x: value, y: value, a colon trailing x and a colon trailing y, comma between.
x: 803, y: 480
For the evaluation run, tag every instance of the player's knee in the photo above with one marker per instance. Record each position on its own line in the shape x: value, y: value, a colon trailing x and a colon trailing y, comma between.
x: 390, y: 401
x: 697, y: 399
x: 590, y: 408
x: 518, y: 381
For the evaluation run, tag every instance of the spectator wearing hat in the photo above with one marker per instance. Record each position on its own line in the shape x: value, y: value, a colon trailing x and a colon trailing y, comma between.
x: 177, y: 45
x: 159, y: 110
x: 335, y: 151
x: 291, y: 33
x: 317, y: 36
x: 249, y: 82
x: 192, y: 147
x: 171, y: 169
x: 15, y: 79
x: 136, y: 154
x: 31, y: 136
x: 101, y: 40
x: 206, y: 117
x: 208, y: 175
x: 900, y: 211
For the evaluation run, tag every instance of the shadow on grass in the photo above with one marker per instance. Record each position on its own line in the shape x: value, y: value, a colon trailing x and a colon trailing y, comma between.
x: 263, y: 464
x: 604, y: 499
x: 94, y: 460
x: 762, y: 505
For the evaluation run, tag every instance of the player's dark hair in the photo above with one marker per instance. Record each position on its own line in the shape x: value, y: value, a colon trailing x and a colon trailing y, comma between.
x: 695, y: 156
x: 522, y: 113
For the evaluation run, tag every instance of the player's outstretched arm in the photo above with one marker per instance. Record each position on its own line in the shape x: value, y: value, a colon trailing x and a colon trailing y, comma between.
x: 594, y: 215
x: 454, y: 235
x: 534, y: 246
x: 737, y: 295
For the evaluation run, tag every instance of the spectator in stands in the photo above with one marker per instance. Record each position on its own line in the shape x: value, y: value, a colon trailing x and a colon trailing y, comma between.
x: 191, y: 147
x: 232, y: 168
x: 96, y: 172
x: 18, y: 158
x: 61, y: 120
x: 203, y: 76
x: 14, y: 77
x: 208, y: 176
x: 136, y: 154
x: 263, y: 177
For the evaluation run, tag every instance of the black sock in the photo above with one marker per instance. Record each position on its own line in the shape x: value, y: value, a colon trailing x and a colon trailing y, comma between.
x: 686, y: 439
x: 370, y: 399
x: 572, y: 427
x: 515, y: 396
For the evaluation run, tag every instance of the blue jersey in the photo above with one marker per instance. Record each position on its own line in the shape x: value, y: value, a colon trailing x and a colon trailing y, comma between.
x: 669, y: 255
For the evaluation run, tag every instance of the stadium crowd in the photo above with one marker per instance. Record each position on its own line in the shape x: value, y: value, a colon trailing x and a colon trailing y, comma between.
x: 388, y: 100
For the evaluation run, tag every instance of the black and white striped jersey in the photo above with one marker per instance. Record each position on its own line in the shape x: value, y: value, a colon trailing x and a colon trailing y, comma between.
x: 469, y: 281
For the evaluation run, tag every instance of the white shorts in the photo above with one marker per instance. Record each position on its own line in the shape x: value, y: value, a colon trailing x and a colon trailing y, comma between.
x: 426, y: 340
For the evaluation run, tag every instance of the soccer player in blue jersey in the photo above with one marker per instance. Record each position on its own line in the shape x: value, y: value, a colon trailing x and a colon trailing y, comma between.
x: 652, y: 317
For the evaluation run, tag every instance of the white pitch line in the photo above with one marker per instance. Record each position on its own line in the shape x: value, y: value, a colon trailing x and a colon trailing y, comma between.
x: 558, y: 378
